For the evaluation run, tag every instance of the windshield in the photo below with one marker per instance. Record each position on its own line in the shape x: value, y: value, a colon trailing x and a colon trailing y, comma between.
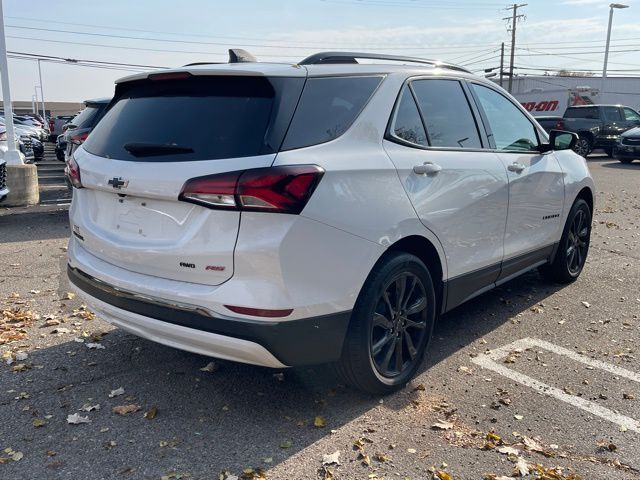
x: 199, y: 118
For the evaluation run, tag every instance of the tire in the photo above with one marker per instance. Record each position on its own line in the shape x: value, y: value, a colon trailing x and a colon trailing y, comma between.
x: 573, y: 248
x: 377, y: 331
x: 60, y: 155
x: 609, y: 152
x: 625, y: 160
x: 583, y: 146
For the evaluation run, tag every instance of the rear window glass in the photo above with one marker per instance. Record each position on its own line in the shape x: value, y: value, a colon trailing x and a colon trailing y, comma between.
x: 200, y: 118
x: 86, y: 117
x: 408, y: 124
x: 586, y: 112
x: 327, y: 108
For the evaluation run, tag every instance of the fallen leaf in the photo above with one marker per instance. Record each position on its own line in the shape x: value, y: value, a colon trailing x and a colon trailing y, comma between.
x: 76, y: 418
x: 38, y: 423
x: 442, y: 425
x: 628, y: 396
x: 364, y: 459
x: 286, y: 444
x: 521, y: 468
x: 68, y: 296
x: 518, y: 417
x: 381, y: 457
x: 419, y: 388
x: 509, y: 451
x: 151, y: 414
x: 125, y: 409
x: 210, y: 367
x: 95, y: 346
x: 21, y: 367
x: 279, y: 376
x: 441, y: 475
x: 586, y: 304
x: 17, y: 456
x: 411, y: 450
x: 116, y: 392
x: 330, y: 459
x: 319, y: 422
x: 89, y: 408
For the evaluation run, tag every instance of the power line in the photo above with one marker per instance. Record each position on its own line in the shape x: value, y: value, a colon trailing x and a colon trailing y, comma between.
x: 74, y: 60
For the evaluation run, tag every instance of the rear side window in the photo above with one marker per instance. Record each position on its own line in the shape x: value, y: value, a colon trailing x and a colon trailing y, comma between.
x: 447, y: 114
x: 407, y: 124
x: 585, y: 112
x: 328, y: 106
x: 200, y: 118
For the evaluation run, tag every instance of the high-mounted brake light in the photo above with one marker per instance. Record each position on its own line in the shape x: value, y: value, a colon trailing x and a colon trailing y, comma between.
x: 79, y: 138
x: 158, y: 77
x: 73, y: 173
x: 282, y: 189
x: 559, y: 125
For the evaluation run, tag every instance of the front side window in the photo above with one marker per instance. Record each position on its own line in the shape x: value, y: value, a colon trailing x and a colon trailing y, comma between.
x: 408, y: 124
x: 631, y: 115
x: 510, y: 128
x: 447, y: 115
x: 612, y: 114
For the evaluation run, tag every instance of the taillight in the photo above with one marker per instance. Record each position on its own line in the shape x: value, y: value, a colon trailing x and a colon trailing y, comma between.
x: 3, y: 136
x: 52, y: 124
x: 559, y: 125
x: 73, y: 173
x: 79, y: 138
x: 283, y: 189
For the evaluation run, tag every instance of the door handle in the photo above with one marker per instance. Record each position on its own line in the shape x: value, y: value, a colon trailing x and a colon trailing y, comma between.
x: 427, y: 168
x: 516, y: 167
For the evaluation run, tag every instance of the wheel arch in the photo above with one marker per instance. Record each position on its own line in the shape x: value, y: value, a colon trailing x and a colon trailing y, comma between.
x: 426, y: 251
x: 587, y: 195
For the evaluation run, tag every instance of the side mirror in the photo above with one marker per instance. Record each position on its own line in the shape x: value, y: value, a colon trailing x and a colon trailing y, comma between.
x: 559, y: 140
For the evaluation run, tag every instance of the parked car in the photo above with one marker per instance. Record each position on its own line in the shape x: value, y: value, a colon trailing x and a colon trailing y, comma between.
x: 627, y: 148
x: 55, y: 125
x: 549, y: 122
x: 38, y: 149
x: 4, y: 188
x: 23, y: 144
x: 61, y: 147
x: 79, y: 128
x: 324, y: 212
x: 598, y: 126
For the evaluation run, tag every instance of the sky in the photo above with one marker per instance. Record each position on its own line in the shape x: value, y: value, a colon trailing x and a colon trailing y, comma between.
x: 555, y: 34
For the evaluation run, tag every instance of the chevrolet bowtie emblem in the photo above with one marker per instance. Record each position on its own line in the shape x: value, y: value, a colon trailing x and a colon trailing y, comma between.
x: 118, y: 182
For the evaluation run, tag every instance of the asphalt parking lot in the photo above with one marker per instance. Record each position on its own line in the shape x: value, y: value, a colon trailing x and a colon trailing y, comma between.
x: 531, y: 379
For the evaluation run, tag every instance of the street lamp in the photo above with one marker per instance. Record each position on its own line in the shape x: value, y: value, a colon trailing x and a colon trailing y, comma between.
x: 606, y: 50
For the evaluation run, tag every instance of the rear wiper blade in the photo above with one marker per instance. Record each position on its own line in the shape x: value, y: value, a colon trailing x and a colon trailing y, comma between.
x: 152, y: 149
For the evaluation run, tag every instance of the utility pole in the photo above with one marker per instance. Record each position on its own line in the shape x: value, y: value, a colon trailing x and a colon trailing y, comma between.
x: 501, y: 62
x: 12, y: 155
x: 514, y: 20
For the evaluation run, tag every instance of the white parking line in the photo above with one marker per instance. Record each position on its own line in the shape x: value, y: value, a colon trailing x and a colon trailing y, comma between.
x: 490, y: 362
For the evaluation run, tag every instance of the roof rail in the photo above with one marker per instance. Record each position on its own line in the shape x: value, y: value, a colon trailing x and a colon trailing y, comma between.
x: 350, y: 57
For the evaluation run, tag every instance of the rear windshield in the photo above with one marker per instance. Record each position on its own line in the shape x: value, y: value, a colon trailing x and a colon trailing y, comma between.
x: 199, y: 118
x: 86, y: 117
x: 583, y: 112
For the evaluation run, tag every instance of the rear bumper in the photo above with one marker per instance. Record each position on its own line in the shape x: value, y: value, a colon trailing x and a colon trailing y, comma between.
x: 274, y: 344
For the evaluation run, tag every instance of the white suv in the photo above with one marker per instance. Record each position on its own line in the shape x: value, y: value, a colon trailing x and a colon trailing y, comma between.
x: 327, y: 211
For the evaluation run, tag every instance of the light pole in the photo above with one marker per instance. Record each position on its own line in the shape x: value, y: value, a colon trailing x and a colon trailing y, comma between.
x: 606, y: 50
x: 44, y: 112
x: 12, y: 156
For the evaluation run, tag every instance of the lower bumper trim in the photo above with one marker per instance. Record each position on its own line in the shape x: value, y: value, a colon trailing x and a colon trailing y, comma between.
x: 293, y: 342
